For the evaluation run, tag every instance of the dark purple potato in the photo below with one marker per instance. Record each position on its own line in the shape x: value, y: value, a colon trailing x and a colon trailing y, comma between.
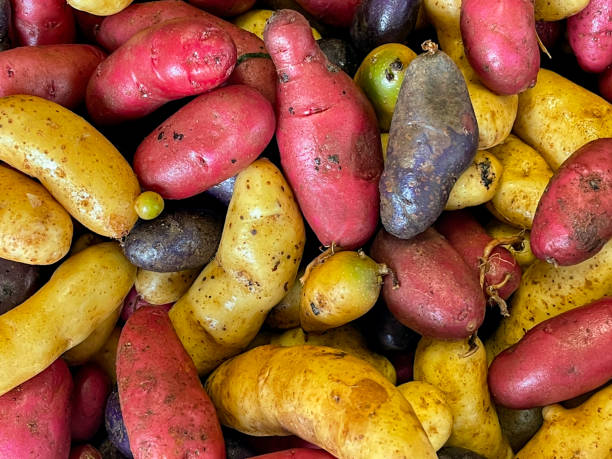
x: 341, y: 53
x: 18, y: 281
x: 454, y: 452
x: 223, y: 191
x: 115, y: 427
x: 6, y: 25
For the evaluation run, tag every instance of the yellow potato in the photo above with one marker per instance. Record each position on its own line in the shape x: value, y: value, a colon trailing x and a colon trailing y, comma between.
x: 546, y: 291
x: 521, y: 252
x: 461, y: 374
x: 100, y: 7
x: 83, y: 352
x: 323, y: 395
x: 477, y: 184
x: 286, y: 314
x: 107, y: 355
x: 82, y: 292
x: 429, y: 405
x: 81, y: 169
x: 163, y: 288
x: 256, y: 263
x: 557, y: 116
x: 526, y: 175
x: 584, y: 432
x: 345, y: 338
x: 34, y: 228
x: 255, y: 21
x: 555, y: 10
x: 85, y: 240
x: 495, y: 114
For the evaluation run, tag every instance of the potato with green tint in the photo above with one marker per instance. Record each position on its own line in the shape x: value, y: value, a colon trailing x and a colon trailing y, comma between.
x: 459, y: 369
x: 254, y: 21
x: 338, y: 289
x: 522, y: 251
x: 286, y: 314
x: 163, y: 288
x: 477, y: 184
x: 519, y: 425
x: 380, y: 76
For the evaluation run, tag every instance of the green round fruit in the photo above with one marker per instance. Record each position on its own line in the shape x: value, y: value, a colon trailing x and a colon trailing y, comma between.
x: 149, y: 205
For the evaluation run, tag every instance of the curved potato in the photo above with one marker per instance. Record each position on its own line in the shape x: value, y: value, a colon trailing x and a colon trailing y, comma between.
x: 34, y: 228
x: 62, y: 313
x: 100, y: 7
x: 163, y: 288
x: 555, y: 10
x: 256, y: 263
x: 81, y: 169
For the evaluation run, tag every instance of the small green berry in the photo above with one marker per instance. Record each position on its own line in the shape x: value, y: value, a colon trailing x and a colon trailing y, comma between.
x: 149, y: 205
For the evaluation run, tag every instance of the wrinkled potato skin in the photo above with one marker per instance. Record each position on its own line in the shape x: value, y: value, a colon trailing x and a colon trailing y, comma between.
x: 429, y: 404
x: 62, y: 313
x: 163, y: 288
x: 495, y: 114
x: 478, y: 183
x: 546, y: 291
x: 584, y: 432
x: 100, y: 7
x: 257, y: 261
x: 557, y: 116
x: 81, y: 169
x: 323, y: 395
x: 463, y: 379
x: 34, y: 228
x: 525, y: 177
x: 555, y: 10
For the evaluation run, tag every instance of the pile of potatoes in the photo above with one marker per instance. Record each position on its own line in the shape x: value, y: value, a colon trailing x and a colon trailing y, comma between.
x: 306, y: 229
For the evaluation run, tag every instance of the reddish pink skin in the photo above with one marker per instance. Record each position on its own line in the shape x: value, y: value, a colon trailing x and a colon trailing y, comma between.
x: 166, y: 411
x: 469, y: 239
x: 404, y: 366
x: 258, y: 73
x: 272, y: 444
x: 573, y: 219
x: 58, y: 73
x: 438, y: 294
x: 327, y: 135
x: 178, y: 58
x: 297, y: 453
x: 91, y: 389
x: 560, y: 358
x: 501, y: 43
x: 88, y: 24
x: 337, y: 13
x: 224, y: 8
x: 43, y: 22
x: 605, y: 84
x: 590, y: 35
x: 84, y: 452
x: 207, y: 141
x: 35, y: 416
x: 133, y: 301
x: 549, y: 32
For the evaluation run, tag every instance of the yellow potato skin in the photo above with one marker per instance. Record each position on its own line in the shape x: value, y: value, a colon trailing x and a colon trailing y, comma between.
x: 286, y: 314
x: 478, y: 183
x: 546, y: 291
x: 495, y: 114
x: 523, y: 255
x: 462, y: 377
x: 429, y: 405
x: 34, y: 228
x: 557, y: 116
x: 323, y: 395
x: 163, y: 288
x: 254, y: 21
x: 526, y: 175
x: 80, y: 295
x: 107, y: 355
x: 100, y: 7
x: 346, y: 338
x: 257, y: 261
x: 81, y: 169
x: 556, y: 10
x: 584, y: 432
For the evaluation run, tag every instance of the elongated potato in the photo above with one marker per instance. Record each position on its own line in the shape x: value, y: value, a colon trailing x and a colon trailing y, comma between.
x: 523, y: 182
x: 107, y: 355
x: 557, y: 116
x: 257, y: 261
x: 555, y: 10
x: 62, y: 313
x: 72, y: 160
x: 323, y: 395
x: 162, y: 288
x: 286, y: 314
x: 546, y: 291
x: 460, y: 372
x: 34, y: 228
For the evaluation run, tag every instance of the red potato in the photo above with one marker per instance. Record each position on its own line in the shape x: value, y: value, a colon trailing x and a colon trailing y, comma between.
x: 327, y: 135
x: 605, y: 84
x: 272, y: 444
x: 133, y: 301
x: 337, y: 13
x: 35, y: 416
x: 85, y: 452
x: 434, y: 292
x: 560, y: 358
x: 166, y: 411
x: 254, y: 68
x: 590, y: 35
x: 224, y: 8
x: 43, y: 22
x: 88, y: 24
x: 477, y: 249
x: 178, y: 58
x: 501, y: 43
x: 573, y: 219
x: 55, y: 72
x: 297, y: 453
x: 207, y: 141
x: 549, y: 32
x: 91, y: 389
